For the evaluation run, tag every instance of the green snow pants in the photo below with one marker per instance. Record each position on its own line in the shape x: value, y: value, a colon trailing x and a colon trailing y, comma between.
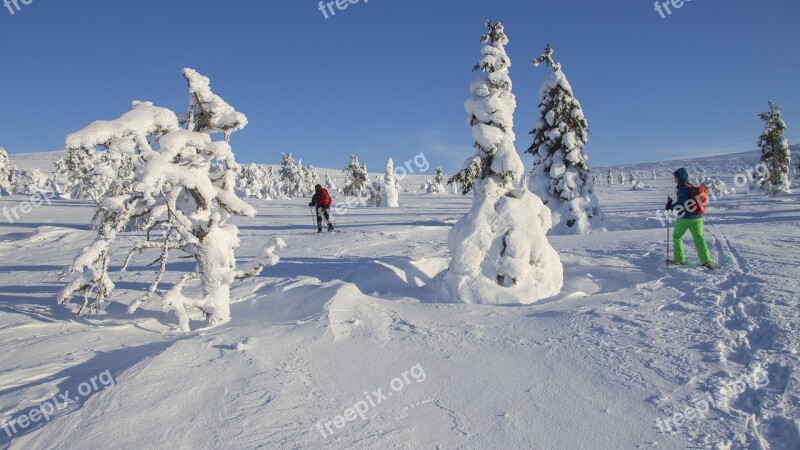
x: 695, y: 226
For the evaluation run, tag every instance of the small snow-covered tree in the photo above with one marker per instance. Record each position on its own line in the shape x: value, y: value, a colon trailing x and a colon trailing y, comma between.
x: 438, y: 184
x: 310, y: 180
x: 634, y: 181
x: 500, y: 253
x: 356, y: 179
x: 561, y: 174
x: 375, y: 192
x: 5, y: 173
x: 31, y: 181
x: 610, y: 177
x: 621, y: 177
x: 253, y: 181
x: 390, y: 194
x: 291, y: 177
x: 329, y: 184
x: 655, y: 176
x: 775, y: 152
x: 184, y: 193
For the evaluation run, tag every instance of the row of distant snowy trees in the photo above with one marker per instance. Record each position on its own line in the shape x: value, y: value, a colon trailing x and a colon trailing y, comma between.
x: 25, y: 181
x: 292, y: 180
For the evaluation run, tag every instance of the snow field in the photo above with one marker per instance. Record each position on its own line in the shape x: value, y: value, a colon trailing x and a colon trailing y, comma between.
x: 623, y: 344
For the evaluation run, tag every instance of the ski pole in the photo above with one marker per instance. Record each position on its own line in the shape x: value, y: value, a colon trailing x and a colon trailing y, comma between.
x: 313, y: 218
x: 669, y: 225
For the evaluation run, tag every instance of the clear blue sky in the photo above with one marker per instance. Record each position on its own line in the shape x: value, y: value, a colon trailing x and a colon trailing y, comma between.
x: 389, y: 77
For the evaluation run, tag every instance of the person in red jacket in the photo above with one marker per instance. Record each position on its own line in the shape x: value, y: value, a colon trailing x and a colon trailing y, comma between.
x: 322, y: 200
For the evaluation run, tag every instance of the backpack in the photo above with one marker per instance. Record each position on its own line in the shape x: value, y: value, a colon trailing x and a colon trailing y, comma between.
x: 699, y: 197
x: 324, y: 198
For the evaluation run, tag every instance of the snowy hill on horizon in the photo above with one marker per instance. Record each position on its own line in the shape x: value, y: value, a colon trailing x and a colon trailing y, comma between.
x: 348, y: 342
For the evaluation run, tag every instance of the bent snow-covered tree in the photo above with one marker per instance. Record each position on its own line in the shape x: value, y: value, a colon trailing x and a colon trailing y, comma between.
x: 389, y: 194
x: 775, y: 152
x: 183, y: 192
x: 500, y: 253
x: 561, y: 175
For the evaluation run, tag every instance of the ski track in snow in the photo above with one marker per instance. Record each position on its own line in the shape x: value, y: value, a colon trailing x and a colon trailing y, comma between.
x: 341, y: 316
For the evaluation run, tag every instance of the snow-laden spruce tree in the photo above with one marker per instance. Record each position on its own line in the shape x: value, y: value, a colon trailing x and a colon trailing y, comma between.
x: 389, y: 194
x: 561, y: 174
x: 500, y: 253
x: 291, y: 177
x: 437, y: 186
x: 375, y: 193
x: 310, y: 179
x: 610, y: 177
x: 634, y: 181
x: 356, y: 179
x: 184, y: 193
x: 5, y: 173
x: 621, y: 177
x: 775, y: 152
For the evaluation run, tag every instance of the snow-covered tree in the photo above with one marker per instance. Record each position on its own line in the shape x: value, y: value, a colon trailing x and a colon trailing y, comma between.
x: 329, y: 184
x: 291, y: 177
x: 31, y: 181
x: 356, y: 178
x: 390, y: 194
x: 655, y: 176
x: 610, y: 177
x: 500, y: 253
x: 5, y: 173
x: 310, y: 179
x: 375, y: 192
x: 438, y: 184
x: 253, y: 181
x: 621, y: 177
x: 184, y: 194
x: 634, y: 181
x: 775, y: 152
x: 561, y: 174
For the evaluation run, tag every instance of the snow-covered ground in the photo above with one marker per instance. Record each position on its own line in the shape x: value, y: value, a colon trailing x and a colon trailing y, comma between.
x: 346, y: 343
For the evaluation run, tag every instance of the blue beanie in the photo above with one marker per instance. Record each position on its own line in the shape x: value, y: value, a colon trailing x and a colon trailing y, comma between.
x: 682, y: 175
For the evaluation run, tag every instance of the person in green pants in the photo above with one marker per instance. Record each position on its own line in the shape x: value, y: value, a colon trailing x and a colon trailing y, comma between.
x: 687, y: 221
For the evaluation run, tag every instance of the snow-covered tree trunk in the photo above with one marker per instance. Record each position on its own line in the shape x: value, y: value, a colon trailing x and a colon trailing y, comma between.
x: 500, y: 253
x: 390, y: 196
x: 775, y: 152
x: 561, y: 174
